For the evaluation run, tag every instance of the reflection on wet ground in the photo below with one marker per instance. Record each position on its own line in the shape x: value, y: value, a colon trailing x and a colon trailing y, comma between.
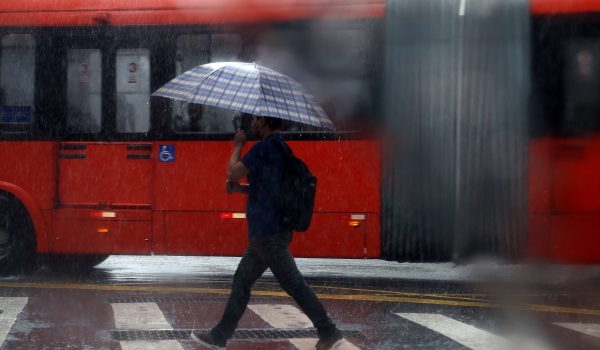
x: 131, y: 302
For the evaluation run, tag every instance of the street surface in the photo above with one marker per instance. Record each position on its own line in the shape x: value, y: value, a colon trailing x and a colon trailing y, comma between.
x: 133, y: 303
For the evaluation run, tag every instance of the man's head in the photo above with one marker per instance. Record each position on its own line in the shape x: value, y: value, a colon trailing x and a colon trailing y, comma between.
x: 263, y: 126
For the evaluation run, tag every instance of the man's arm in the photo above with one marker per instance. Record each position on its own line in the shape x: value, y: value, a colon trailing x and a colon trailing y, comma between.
x: 236, y: 169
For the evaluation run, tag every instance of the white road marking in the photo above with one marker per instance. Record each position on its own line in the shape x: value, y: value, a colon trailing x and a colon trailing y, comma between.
x: 592, y: 329
x: 288, y: 316
x: 143, y: 316
x: 282, y: 316
x: 139, y: 316
x: 467, y: 335
x: 10, y: 309
x: 151, y: 345
x: 304, y: 343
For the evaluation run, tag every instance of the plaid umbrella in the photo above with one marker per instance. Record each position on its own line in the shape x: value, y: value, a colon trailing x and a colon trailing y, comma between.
x: 248, y: 88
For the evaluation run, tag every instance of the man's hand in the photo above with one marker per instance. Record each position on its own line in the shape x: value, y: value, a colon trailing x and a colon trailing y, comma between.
x: 239, y: 140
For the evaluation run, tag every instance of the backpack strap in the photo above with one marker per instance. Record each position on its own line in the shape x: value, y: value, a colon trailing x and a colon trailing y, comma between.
x: 287, y: 157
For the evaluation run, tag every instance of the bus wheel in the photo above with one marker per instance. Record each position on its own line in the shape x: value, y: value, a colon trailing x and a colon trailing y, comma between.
x: 17, y: 240
x: 73, y: 262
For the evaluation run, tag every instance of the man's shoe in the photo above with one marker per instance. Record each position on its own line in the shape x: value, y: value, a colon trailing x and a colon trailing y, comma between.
x: 330, y: 342
x: 206, y: 339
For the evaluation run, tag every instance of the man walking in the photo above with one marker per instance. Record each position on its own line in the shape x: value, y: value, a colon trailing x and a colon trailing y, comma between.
x: 268, y: 238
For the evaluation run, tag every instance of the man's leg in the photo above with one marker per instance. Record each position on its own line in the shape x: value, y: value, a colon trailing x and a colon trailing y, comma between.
x: 250, y: 268
x: 276, y: 253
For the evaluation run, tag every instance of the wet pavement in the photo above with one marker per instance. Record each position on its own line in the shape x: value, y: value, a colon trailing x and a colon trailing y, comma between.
x: 154, y: 302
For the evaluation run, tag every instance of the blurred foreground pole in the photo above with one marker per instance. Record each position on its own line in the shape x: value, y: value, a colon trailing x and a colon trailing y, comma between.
x: 456, y: 103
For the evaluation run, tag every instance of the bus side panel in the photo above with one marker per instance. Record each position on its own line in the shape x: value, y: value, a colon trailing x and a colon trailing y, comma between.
x: 190, y: 190
x: 158, y: 232
x: 539, y: 198
x: 330, y: 235
x: 540, y: 176
x: 575, y: 238
x: 44, y: 243
x: 564, y: 216
x: 575, y: 169
x: 85, y: 231
x: 348, y: 173
x: 205, y: 233
x: 195, y: 179
x: 79, y: 236
x: 31, y: 165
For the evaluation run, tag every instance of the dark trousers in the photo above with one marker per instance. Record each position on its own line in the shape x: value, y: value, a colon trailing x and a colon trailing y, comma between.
x: 271, y: 252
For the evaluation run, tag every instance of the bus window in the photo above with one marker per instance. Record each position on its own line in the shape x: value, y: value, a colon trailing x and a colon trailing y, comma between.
x: 84, y: 90
x: 339, y: 52
x: 333, y: 63
x: 225, y: 47
x: 133, y: 90
x: 17, y: 79
x: 340, y: 56
x: 582, y: 88
x: 194, y: 50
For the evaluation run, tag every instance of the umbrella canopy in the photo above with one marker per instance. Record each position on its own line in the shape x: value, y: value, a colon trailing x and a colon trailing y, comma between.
x: 248, y: 88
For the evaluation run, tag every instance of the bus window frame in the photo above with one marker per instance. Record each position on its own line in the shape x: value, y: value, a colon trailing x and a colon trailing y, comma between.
x: 160, y: 41
x: 110, y: 40
x: 376, y: 27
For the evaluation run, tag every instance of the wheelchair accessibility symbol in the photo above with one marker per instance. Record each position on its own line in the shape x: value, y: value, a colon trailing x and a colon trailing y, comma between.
x: 167, y: 153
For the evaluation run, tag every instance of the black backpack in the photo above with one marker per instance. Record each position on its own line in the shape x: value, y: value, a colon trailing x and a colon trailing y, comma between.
x: 298, y: 189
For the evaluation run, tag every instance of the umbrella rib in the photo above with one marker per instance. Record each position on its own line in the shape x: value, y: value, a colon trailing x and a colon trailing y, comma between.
x: 262, y: 94
x: 285, y: 104
x: 244, y: 103
x: 190, y: 89
x: 220, y: 99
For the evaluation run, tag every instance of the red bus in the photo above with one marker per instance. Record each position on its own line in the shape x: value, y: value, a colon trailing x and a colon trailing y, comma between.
x: 92, y: 166
x: 564, y: 149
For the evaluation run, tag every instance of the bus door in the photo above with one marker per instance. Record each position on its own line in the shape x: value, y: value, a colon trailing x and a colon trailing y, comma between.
x: 105, y: 184
x: 575, y: 199
x: 575, y: 194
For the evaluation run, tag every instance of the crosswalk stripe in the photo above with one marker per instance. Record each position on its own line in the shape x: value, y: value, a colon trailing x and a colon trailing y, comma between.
x: 10, y: 309
x: 151, y: 345
x: 282, y: 316
x: 143, y: 316
x: 304, y: 343
x: 467, y: 335
x: 592, y: 329
x: 288, y: 316
x: 139, y: 316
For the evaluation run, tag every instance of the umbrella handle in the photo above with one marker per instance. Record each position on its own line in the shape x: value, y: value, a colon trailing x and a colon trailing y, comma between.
x: 242, y: 122
x: 237, y: 123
